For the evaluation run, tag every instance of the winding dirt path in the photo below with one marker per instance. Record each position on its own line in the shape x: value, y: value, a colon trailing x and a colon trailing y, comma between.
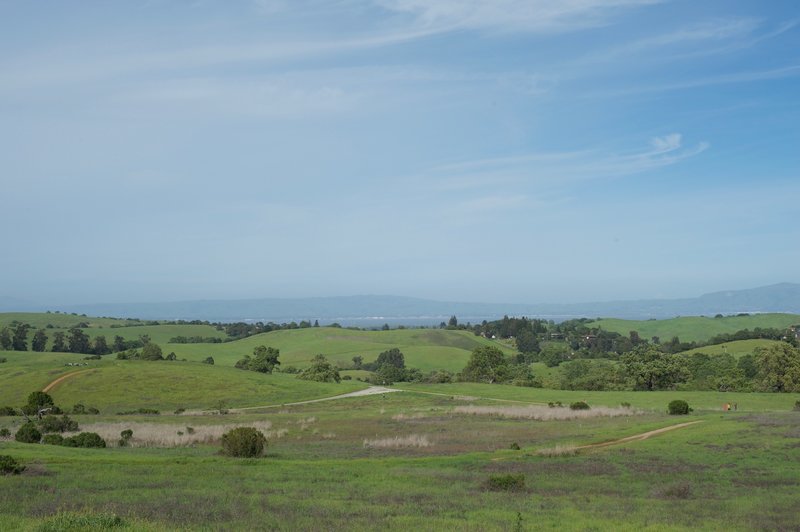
x: 372, y: 390
x: 63, y: 378
x: 638, y: 437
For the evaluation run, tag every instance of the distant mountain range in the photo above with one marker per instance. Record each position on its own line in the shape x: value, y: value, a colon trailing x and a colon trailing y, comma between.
x: 376, y: 310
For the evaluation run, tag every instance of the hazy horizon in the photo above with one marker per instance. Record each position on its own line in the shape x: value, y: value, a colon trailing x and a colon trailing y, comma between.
x: 504, y: 152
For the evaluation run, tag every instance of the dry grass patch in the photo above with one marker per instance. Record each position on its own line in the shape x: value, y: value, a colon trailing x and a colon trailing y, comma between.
x: 404, y: 417
x: 170, y: 435
x: 543, y: 413
x: 399, y: 442
x: 558, y: 450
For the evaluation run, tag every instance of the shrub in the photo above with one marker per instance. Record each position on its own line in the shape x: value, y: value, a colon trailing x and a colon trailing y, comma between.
x: 53, y: 439
x: 9, y: 466
x: 28, y: 433
x: 179, y: 411
x: 78, y: 409
x: 579, y: 405
x: 7, y: 411
x: 508, y: 482
x: 209, y: 360
x: 245, y: 442
x: 5, y: 433
x: 556, y: 404
x: 143, y: 411
x: 625, y: 404
x: 3, y: 359
x: 347, y: 378
x: 678, y: 407
x: 796, y: 407
x: 85, y: 439
x: 55, y: 424
x: 514, y: 446
x: 92, y: 411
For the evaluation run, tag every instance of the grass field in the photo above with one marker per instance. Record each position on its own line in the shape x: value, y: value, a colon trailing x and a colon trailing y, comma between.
x: 695, y: 328
x: 427, y: 349
x: 737, y: 349
x: 739, y: 471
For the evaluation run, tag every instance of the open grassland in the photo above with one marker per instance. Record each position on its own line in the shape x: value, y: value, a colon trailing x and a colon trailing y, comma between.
x: 112, y: 385
x: 427, y: 349
x: 412, y: 461
x: 695, y: 328
x: 707, y: 401
x: 737, y: 349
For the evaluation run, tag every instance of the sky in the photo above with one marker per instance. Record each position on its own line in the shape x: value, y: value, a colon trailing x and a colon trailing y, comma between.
x: 502, y: 151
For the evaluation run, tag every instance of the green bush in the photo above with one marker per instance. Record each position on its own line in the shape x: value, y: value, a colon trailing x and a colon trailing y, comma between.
x: 796, y: 407
x: 28, y: 433
x: 245, y: 442
x: 514, y: 446
x: 678, y: 407
x: 5, y: 433
x: 143, y: 411
x: 9, y: 466
x: 53, y: 439
x: 55, y: 424
x: 7, y: 411
x: 579, y: 405
x: 85, y: 439
x: 508, y: 482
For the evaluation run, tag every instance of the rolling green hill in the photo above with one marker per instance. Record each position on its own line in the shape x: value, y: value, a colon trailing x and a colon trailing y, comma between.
x: 427, y: 349
x: 737, y: 349
x: 696, y: 328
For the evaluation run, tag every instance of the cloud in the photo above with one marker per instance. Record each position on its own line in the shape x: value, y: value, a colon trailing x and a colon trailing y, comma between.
x: 559, y: 168
x: 541, y: 16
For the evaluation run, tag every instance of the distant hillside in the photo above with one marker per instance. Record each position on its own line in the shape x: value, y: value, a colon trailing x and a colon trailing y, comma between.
x: 374, y: 310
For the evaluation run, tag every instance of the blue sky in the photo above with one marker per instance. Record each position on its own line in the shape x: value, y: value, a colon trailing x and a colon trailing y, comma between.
x: 508, y: 150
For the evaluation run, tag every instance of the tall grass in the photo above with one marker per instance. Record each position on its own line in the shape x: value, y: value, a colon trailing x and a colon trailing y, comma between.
x: 543, y: 413
x: 166, y: 435
x: 398, y: 442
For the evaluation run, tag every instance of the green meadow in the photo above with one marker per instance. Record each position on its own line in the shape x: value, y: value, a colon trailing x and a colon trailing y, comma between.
x: 424, y: 457
x: 413, y: 460
x: 696, y: 328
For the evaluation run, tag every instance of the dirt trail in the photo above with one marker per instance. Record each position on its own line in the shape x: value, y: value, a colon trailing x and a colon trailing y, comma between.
x: 638, y: 437
x: 63, y: 378
x: 372, y: 390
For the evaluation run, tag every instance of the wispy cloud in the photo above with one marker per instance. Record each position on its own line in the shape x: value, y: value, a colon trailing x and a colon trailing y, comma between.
x: 542, y: 16
x: 560, y: 168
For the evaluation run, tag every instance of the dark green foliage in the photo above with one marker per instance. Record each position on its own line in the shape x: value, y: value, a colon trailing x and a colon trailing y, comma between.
x: 579, y: 405
x: 486, y: 364
x: 320, y: 371
x: 5, y: 433
x: 85, y: 439
x: 151, y: 351
x: 509, y: 482
x: 56, y: 424
x: 8, y: 411
x: 53, y: 439
x: 556, y: 404
x: 79, y: 409
x: 59, y: 342
x: 593, y: 375
x: 19, y: 341
x: 243, y: 442
x: 3, y: 360
x: 514, y: 446
x: 79, y: 341
x: 678, y: 407
x: 9, y: 465
x: 209, y: 360
x: 101, y: 346
x: 778, y: 368
x: 92, y: 411
x: 796, y: 406
x: 39, y: 341
x: 28, y: 433
x: 651, y: 369
x: 125, y: 437
x: 172, y: 356
x: 264, y: 360
x: 5, y: 339
x: 39, y: 400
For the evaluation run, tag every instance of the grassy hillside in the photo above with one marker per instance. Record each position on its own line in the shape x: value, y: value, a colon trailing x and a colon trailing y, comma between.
x: 427, y: 349
x: 108, y: 327
x: 696, y: 328
x: 112, y: 385
x: 737, y: 349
